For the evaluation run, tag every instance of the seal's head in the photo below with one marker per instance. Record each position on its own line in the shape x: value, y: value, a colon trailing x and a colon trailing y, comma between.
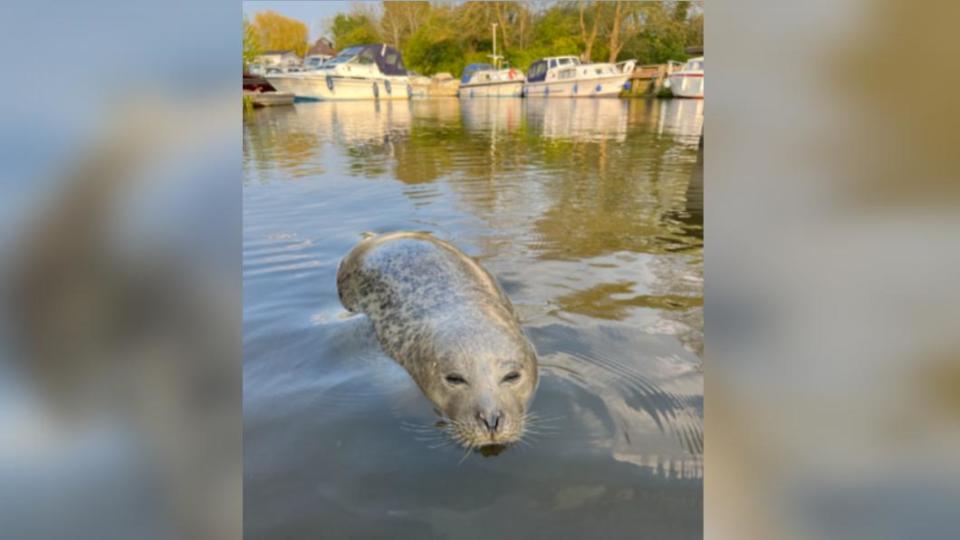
x: 482, y: 387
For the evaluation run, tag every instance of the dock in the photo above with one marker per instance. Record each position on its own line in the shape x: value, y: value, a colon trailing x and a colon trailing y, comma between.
x: 268, y: 99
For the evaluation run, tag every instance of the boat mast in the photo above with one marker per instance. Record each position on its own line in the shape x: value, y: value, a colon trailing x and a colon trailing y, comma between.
x: 496, y: 58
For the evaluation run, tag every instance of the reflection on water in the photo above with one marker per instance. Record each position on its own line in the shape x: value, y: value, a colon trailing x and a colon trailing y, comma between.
x: 590, y: 215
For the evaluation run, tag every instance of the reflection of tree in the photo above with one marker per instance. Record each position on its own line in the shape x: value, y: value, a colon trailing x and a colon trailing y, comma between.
x: 275, y: 137
x: 575, y: 183
x: 609, y: 197
x: 599, y: 301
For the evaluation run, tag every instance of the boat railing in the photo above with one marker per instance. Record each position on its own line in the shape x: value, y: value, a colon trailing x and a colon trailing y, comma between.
x: 674, y: 66
x: 626, y: 66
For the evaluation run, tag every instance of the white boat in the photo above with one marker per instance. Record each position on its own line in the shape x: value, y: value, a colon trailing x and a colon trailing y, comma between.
x: 419, y: 86
x: 361, y: 72
x: 566, y: 76
x: 443, y: 85
x: 688, y: 82
x: 484, y: 80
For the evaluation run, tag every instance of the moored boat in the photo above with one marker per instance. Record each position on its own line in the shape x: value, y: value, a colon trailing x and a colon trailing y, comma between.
x: 256, y: 83
x: 419, y: 86
x: 484, y: 80
x: 566, y: 76
x: 443, y: 85
x: 360, y: 72
x: 688, y: 82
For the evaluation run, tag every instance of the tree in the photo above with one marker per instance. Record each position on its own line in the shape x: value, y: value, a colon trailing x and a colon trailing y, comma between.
x: 656, y: 33
x: 274, y: 32
x: 251, y: 44
x: 437, y: 45
x: 401, y: 20
x: 695, y: 30
x: 590, y: 37
x: 359, y: 27
x: 445, y: 36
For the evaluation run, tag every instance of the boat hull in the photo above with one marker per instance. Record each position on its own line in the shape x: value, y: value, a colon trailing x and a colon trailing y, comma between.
x: 332, y: 87
x: 610, y: 86
x: 444, y: 89
x: 492, y: 89
x: 686, y: 85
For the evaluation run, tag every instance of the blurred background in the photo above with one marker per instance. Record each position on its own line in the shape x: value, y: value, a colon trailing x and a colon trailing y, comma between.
x: 120, y: 337
x: 832, y: 356
x: 831, y: 252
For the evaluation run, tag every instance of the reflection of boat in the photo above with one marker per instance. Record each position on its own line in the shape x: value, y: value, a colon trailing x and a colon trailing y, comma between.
x: 688, y: 82
x: 361, y: 72
x: 360, y: 122
x: 484, y: 80
x: 681, y: 118
x: 492, y: 115
x: 565, y: 76
x: 590, y: 120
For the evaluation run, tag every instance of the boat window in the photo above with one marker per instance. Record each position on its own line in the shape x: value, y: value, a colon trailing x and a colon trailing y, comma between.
x: 366, y: 57
x: 564, y: 61
x: 553, y: 63
x: 537, y: 71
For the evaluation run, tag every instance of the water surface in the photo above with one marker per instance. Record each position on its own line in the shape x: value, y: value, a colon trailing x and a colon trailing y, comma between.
x: 588, y: 212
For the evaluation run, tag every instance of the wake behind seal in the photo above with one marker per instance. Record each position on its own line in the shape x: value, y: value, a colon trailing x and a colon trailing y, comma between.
x: 445, y: 319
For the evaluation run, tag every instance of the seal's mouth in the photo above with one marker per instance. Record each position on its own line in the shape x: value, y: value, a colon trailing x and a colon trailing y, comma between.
x: 471, y: 435
x: 491, y: 449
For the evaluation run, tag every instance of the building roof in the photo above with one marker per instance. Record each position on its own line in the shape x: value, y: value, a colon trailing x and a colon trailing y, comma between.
x: 322, y: 46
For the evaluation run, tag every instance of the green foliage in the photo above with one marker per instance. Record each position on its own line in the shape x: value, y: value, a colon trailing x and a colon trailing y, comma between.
x: 356, y: 28
x: 663, y: 35
x: 274, y: 32
x: 445, y: 36
x: 251, y: 43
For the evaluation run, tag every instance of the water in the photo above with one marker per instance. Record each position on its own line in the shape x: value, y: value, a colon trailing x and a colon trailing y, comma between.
x: 588, y: 212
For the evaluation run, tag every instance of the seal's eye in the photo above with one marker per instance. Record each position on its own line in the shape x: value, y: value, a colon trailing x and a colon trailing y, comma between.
x: 453, y: 378
x: 512, y: 376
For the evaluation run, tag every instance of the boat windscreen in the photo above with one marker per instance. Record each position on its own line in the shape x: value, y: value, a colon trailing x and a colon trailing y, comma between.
x: 470, y: 70
x: 537, y: 71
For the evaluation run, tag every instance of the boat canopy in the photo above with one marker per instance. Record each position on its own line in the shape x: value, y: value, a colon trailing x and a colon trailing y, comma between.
x: 537, y: 71
x: 386, y: 57
x: 471, y: 69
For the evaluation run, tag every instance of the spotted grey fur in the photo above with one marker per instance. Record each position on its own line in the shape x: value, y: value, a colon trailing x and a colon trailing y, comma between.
x: 445, y: 319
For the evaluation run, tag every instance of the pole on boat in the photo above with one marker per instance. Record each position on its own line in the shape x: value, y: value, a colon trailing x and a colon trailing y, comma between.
x: 496, y: 59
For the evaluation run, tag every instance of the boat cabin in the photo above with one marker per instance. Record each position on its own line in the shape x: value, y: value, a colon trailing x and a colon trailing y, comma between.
x: 471, y: 69
x: 693, y: 64
x: 538, y: 70
x: 385, y: 57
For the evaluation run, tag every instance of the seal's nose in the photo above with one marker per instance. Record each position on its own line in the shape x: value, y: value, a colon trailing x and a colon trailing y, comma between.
x: 490, y: 419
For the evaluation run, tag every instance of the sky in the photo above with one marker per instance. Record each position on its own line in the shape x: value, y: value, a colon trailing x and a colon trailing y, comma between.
x: 313, y: 14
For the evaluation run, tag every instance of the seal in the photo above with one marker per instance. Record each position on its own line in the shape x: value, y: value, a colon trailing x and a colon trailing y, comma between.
x: 445, y: 319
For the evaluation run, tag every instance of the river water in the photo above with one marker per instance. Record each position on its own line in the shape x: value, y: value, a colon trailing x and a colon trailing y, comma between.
x: 588, y: 212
